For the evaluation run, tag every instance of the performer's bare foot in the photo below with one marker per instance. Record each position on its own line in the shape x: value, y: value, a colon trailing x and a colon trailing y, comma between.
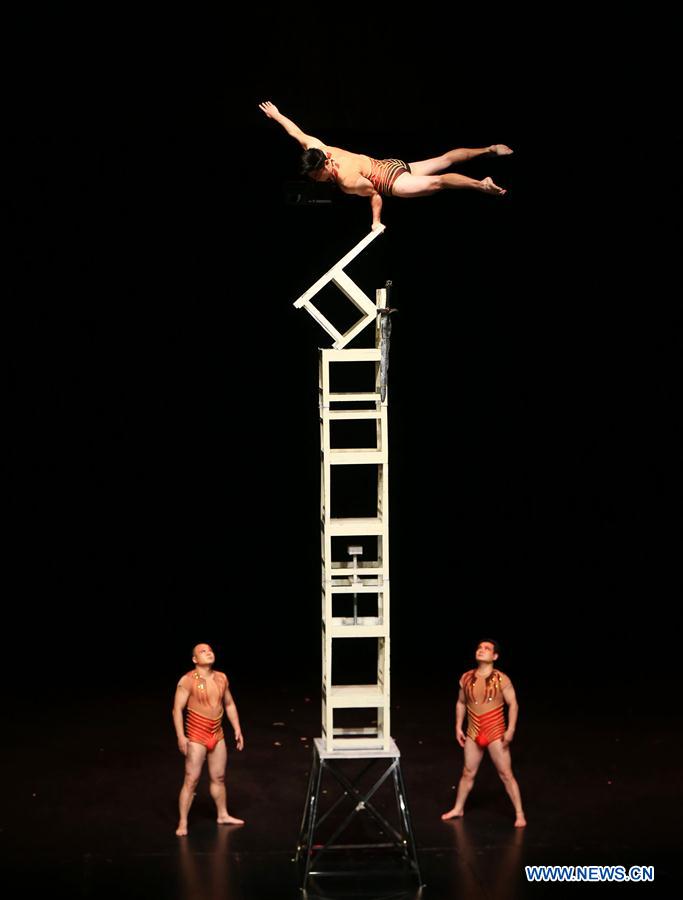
x: 181, y: 830
x: 520, y: 821
x: 500, y: 150
x: 452, y: 814
x: 488, y: 187
x: 229, y: 820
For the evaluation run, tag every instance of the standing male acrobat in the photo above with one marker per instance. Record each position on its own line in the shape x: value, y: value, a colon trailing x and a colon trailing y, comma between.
x: 484, y: 691
x: 205, y: 693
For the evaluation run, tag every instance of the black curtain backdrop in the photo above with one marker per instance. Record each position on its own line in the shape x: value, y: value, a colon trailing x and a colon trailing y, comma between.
x: 163, y: 431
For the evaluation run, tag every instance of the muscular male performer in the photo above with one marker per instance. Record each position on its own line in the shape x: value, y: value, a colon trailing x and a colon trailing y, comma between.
x: 356, y: 173
x: 204, y: 692
x: 484, y: 691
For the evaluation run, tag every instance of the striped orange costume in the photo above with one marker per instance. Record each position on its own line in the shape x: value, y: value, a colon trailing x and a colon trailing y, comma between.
x: 485, y: 706
x: 204, y: 708
x: 384, y: 173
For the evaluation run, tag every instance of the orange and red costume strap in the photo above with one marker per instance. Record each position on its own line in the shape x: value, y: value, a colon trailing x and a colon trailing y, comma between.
x: 493, y: 685
x: 199, y: 690
x: 384, y: 173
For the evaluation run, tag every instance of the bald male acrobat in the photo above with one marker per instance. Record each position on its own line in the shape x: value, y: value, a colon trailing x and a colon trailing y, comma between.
x: 203, y: 693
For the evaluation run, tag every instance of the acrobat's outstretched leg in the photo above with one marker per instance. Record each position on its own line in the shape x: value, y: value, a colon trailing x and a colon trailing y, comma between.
x: 408, y: 185
x: 453, y: 157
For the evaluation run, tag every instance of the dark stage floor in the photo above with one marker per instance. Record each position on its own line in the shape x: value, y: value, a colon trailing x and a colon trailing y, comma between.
x: 92, y: 803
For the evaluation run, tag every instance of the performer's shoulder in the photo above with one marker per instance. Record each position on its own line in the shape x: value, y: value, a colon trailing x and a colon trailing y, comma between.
x: 466, y: 677
x: 185, y: 680
x: 504, y: 679
x: 221, y: 676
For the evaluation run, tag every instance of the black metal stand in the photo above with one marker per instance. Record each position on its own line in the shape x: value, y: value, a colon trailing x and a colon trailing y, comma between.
x: 401, y: 838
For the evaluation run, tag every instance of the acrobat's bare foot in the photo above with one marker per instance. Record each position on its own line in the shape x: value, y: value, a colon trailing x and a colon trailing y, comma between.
x: 229, y: 820
x: 500, y: 150
x: 452, y: 814
x: 181, y: 830
x: 520, y: 821
x: 488, y: 187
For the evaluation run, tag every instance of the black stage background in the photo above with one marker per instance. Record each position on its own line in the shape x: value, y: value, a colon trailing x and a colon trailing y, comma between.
x: 164, y: 435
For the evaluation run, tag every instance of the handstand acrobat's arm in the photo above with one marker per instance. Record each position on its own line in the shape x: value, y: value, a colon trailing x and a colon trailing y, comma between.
x: 376, y: 205
x: 363, y: 187
x: 293, y: 130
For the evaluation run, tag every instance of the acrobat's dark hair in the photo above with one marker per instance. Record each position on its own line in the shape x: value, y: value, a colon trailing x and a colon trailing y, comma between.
x: 496, y: 645
x: 312, y: 160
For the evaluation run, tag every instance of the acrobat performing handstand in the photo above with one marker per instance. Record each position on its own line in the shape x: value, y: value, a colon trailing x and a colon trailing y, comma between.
x: 355, y: 173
